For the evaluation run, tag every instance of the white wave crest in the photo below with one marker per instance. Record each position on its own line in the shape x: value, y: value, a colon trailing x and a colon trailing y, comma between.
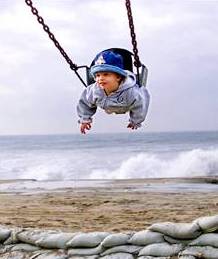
x: 196, y: 162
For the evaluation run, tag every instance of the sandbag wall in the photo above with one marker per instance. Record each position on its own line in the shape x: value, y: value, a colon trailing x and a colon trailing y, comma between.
x: 198, y: 239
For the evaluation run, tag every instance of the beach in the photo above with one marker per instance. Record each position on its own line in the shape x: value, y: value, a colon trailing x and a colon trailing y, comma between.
x: 112, y: 205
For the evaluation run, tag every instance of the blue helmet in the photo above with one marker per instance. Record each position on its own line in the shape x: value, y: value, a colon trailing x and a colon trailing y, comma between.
x: 108, y: 61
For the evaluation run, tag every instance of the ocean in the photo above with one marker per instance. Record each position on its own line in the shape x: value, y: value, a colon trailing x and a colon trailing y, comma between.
x: 109, y: 156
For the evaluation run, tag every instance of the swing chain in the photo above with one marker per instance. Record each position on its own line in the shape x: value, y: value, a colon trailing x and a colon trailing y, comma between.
x: 51, y: 35
x: 137, y: 62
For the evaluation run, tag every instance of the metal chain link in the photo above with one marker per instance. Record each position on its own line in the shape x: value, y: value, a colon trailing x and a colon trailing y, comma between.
x: 137, y: 62
x: 73, y: 66
x: 51, y: 35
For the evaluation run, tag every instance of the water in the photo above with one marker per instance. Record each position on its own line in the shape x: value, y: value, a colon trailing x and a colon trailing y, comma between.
x: 109, y: 156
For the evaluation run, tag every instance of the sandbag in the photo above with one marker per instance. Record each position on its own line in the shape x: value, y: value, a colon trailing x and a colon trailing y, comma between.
x: 31, y: 236
x: 161, y: 249
x: 204, y: 251
x: 146, y: 237
x: 152, y: 257
x: 177, y: 230
x: 86, y: 251
x: 13, y: 239
x: 115, y: 240
x: 210, y: 239
x: 55, y: 240
x: 187, y: 257
x: 92, y: 239
x: 38, y: 253
x: 118, y: 256
x: 84, y: 257
x: 24, y: 247
x: 58, y: 254
x: 4, y: 233
x: 208, y: 224
x: 130, y: 249
x: 172, y: 240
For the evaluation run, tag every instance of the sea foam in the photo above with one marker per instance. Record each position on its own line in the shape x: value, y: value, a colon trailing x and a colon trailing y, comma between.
x: 196, y: 162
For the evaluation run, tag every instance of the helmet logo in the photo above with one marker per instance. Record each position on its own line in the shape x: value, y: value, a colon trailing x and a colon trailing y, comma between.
x: 100, y: 60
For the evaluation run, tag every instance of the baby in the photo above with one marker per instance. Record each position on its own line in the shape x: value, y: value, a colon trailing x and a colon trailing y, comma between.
x: 115, y: 90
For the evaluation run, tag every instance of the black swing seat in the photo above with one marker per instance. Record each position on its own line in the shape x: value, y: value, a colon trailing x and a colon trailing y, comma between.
x: 128, y: 65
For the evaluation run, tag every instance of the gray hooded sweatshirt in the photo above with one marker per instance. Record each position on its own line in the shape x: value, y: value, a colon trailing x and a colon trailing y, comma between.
x: 128, y: 98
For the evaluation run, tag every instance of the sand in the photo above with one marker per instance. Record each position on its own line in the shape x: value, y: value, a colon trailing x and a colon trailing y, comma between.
x: 114, y: 206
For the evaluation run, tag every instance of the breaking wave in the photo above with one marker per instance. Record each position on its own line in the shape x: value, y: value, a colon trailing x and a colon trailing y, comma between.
x: 192, y: 163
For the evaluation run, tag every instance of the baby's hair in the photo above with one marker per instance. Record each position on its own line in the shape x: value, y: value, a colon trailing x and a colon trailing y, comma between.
x: 122, y: 78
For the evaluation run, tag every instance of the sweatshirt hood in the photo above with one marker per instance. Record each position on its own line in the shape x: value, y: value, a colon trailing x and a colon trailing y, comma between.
x: 129, y: 81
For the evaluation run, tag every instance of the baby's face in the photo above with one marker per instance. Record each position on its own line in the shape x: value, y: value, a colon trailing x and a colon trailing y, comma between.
x: 108, y: 81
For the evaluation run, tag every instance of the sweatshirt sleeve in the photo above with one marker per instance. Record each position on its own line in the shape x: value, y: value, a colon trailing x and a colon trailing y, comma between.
x: 139, y: 108
x: 86, y: 107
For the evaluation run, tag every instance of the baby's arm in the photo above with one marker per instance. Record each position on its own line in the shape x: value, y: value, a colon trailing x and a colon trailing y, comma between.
x: 85, y: 110
x: 139, y: 108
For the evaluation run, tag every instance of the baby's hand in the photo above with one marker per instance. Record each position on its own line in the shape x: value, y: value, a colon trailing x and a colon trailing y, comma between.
x: 85, y: 126
x: 132, y: 126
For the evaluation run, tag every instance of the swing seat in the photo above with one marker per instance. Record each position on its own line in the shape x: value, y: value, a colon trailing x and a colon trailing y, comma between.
x: 128, y: 65
x: 142, y: 72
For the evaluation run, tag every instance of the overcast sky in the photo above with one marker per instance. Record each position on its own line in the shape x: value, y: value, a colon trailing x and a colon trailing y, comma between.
x: 177, y: 41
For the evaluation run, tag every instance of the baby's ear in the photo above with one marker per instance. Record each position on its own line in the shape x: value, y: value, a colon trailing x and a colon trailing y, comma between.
x: 121, y: 78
